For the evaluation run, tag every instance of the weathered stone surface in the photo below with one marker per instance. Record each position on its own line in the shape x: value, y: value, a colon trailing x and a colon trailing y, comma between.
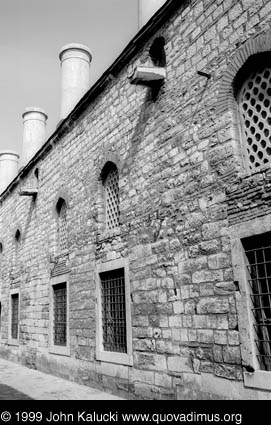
x: 225, y: 371
x: 178, y: 364
x: 207, y: 276
x: 213, y: 305
x: 232, y: 355
x: 178, y: 156
x: 219, y: 261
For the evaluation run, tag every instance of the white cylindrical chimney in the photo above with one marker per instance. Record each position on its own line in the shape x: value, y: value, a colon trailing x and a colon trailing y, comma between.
x: 34, y: 133
x: 146, y: 9
x: 8, y: 168
x: 75, y: 75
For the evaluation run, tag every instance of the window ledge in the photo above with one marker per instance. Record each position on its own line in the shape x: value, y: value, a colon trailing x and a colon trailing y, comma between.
x: 108, y: 234
x: 59, y: 350
x: 112, y: 357
x: 147, y: 74
x: 260, y: 379
x: 244, y: 174
x: 13, y: 342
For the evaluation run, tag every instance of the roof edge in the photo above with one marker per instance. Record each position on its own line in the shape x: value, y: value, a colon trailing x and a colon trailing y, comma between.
x: 129, y: 51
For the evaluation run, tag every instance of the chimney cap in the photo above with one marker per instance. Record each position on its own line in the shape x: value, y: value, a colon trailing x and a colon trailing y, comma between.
x: 9, y: 152
x: 75, y: 46
x: 34, y: 109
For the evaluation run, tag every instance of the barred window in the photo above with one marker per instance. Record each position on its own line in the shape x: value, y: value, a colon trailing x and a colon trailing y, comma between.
x: 14, y: 316
x: 255, y: 116
x: 62, y: 225
x: 258, y: 254
x: 113, y: 311
x: 60, y: 314
x: 0, y: 317
x: 111, y: 185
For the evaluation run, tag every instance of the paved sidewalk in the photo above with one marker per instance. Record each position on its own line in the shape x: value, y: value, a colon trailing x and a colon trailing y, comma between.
x: 21, y: 383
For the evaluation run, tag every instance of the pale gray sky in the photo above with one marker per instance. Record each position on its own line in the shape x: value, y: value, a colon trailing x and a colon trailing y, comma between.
x: 31, y: 35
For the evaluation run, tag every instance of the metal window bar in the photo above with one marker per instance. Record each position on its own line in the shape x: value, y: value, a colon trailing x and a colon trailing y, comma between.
x: 60, y: 314
x: 14, y: 315
x: 113, y: 311
x: 63, y: 235
x: 112, y: 199
x: 258, y: 253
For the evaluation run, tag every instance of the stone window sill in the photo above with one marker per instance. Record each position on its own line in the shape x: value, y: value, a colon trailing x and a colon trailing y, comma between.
x: 59, y: 350
x: 108, y: 234
x: 245, y: 173
x: 112, y: 357
x: 13, y: 342
x: 260, y: 379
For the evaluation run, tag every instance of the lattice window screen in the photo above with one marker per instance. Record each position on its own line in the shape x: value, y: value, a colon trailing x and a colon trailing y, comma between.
x: 112, y: 199
x: 62, y: 230
x: 255, y: 101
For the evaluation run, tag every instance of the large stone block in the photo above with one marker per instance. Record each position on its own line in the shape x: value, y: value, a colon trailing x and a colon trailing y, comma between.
x: 213, y: 305
x: 179, y: 364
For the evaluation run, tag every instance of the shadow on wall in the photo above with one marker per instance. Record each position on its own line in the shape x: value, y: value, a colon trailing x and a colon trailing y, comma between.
x: 144, y: 116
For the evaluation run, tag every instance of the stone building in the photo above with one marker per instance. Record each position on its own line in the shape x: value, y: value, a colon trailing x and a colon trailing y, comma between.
x: 135, y: 246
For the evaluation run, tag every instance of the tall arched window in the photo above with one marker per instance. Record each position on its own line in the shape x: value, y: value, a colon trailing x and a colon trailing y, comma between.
x: 254, y: 100
x: 61, y: 208
x: 111, y: 188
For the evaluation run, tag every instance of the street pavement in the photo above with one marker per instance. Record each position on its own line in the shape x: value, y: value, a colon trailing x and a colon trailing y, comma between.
x: 21, y: 383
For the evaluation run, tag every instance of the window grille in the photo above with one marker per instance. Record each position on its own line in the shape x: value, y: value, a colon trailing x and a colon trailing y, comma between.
x: 60, y: 314
x: 14, y: 315
x: 112, y: 199
x: 258, y: 253
x: 255, y: 108
x: 113, y: 311
x: 62, y: 230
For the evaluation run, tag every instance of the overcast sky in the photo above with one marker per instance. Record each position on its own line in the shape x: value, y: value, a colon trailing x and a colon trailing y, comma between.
x: 31, y: 35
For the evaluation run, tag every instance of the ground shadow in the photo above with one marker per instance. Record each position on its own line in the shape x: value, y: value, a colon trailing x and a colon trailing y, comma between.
x: 9, y: 393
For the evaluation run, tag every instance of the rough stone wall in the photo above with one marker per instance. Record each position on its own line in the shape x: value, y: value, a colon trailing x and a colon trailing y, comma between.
x: 249, y: 197
x: 176, y: 156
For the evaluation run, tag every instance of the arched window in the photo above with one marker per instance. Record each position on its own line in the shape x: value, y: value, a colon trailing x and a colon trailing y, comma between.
x: 17, y: 245
x: 18, y: 237
x: 254, y: 101
x: 111, y: 188
x: 157, y: 52
x: 61, y: 208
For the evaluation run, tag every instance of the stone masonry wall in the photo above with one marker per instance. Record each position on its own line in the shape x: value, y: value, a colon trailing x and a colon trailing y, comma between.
x: 176, y: 157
